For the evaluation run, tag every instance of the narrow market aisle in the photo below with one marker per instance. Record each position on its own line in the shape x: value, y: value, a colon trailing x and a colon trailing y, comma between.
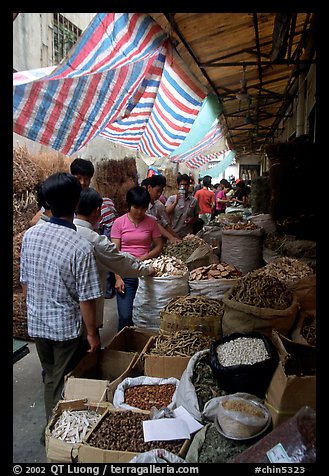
x: 28, y: 407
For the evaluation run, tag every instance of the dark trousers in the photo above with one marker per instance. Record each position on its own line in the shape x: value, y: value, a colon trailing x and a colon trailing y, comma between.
x: 57, y: 359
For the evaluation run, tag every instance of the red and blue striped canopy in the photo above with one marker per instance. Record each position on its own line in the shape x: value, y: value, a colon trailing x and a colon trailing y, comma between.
x: 122, y: 81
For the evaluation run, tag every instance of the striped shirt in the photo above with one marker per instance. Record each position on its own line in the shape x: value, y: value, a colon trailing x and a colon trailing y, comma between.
x: 59, y: 269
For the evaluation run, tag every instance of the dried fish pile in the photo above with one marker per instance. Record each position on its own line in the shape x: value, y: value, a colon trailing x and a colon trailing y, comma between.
x: 287, y: 269
x: 183, y: 343
x: 167, y: 266
x: 193, y: 306
x: 204, y: 382
x: 123, y: 431
x: 184, y: 248
x: 73, y: 425
x: 262, y: 291
x: 215, y: 271
x: 242, y: 226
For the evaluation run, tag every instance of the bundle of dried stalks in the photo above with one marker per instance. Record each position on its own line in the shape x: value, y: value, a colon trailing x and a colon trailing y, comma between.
x: 26, y: 173
x: 113, y: 178
x: 17, y: 243
x: 20, y: 317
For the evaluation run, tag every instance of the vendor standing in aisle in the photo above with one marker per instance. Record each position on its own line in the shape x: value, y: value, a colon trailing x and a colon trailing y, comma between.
x: 206, y: 200
x: 182, y: 208
x: 138, y: 234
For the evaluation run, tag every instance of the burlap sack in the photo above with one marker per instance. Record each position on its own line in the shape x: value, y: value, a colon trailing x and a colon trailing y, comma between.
x: 239, y: 317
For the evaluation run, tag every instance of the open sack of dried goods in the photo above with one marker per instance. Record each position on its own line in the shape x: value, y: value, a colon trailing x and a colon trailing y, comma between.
x: 259, y: 303
x: 194, y: 313
x: 143, y: 393
x: 197, y: 385
x: 193, y: 251
x: 304, y: 332
x: 243, y: 362
x: 239, y: 416
x: 242, y: 246
x: 155, y: 292
x: 157, y: 456
x: 214, y: 280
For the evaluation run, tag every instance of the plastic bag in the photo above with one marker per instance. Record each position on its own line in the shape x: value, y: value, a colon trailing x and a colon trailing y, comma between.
x: 157, y: 456
x: 241, y: 415
x: 119, y: 394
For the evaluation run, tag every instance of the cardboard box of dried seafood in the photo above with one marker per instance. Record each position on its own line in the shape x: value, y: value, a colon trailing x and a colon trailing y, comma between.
x: 98, y: 374
x: 118, y: 437
x: 293, y: 384
x: 70, y: 422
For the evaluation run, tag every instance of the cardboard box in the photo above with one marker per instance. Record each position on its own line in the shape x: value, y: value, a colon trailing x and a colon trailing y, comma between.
x: 98, y: 374
x: 60, y: 451
x: 91, y: 454
x: 293, y: 384
x: 132, y: 339
x: 162, y: 365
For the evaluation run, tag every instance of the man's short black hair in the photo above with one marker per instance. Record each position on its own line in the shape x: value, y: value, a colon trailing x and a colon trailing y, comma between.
x: 61, y: 191
x: 82, y: 167
x: 90, y: 199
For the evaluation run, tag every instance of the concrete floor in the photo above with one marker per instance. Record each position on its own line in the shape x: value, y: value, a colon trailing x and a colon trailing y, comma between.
x: 28, y: 406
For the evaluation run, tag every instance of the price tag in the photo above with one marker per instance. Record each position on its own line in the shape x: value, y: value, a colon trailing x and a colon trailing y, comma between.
x: 278, y: 454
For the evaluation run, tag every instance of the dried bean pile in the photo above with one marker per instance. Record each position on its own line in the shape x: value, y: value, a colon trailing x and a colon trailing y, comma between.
x: 167, y: 266
x: 190, y: 306
x: 204, y: 382
x: 287, y: 269
x: 123, y: 431
x: 145, y: 397
x: 259, y: 290
x: 215, y: 271
x: 184, y: 343
x: 242, y: 351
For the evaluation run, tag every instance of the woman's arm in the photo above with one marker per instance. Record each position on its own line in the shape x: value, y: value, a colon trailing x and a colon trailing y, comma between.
x: 155, y: 251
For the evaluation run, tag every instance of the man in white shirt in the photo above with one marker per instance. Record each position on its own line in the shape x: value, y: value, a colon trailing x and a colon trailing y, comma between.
x: 108, y: 258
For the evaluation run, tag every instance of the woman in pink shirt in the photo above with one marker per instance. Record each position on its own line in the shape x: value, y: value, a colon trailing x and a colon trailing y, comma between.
x: 138, y: 234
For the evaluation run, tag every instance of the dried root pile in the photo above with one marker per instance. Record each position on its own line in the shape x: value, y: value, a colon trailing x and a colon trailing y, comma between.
x: 192, y: 306
x: 286, y: 269
x: 262, y: 291
x: 183, y: 343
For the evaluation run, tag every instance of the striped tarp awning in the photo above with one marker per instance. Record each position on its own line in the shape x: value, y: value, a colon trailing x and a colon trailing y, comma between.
x: 197, y: 156
x: 122, y: 81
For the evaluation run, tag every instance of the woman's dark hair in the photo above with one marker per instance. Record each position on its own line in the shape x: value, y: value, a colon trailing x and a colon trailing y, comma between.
x: 90, y: 199
x: 61, y: 191
x: 138, y: 196
x: 82, y: 167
